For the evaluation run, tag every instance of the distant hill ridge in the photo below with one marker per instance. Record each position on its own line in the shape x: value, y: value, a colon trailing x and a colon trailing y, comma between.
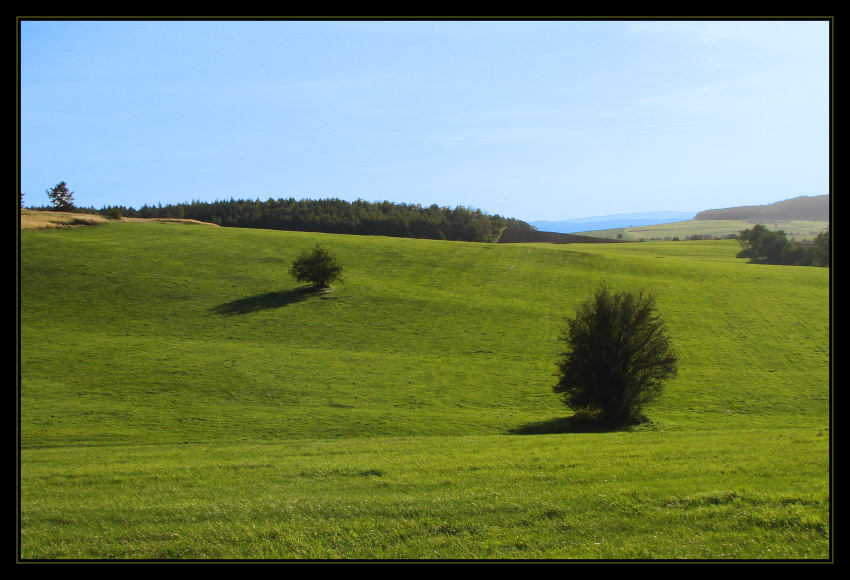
x: 799, y: 208
x: 608, y: 222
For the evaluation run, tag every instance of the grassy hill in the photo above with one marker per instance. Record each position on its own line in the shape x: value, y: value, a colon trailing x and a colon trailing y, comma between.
x: 181, y: 398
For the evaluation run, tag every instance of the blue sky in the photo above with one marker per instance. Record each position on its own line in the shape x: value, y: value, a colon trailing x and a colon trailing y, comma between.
x: 536, y: 120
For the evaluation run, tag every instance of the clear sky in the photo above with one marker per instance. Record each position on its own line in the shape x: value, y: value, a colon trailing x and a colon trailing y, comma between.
x: 536, y: 120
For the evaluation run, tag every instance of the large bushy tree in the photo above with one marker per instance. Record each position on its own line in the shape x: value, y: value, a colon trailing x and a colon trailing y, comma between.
x: 319, y: 267
x: 617, y: 356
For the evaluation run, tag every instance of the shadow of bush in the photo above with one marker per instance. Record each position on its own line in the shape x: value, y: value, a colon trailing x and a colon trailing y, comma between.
x: 579, y: 423
x: 265, y: 301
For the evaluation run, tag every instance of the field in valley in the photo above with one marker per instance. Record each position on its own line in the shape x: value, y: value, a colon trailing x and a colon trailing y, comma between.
x: 798, y: 230
x: 180, y: 397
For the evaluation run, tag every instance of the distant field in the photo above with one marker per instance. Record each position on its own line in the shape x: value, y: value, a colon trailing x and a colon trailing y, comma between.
x: 45, y: 220
x: 796, y: 230
x: 180, y: 398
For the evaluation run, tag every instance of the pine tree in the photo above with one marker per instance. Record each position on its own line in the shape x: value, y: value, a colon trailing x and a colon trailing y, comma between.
x: 61, y: 197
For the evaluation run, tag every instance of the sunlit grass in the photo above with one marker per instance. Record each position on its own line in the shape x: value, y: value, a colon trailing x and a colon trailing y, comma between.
x: 647, y: 495
x: 180, y: 399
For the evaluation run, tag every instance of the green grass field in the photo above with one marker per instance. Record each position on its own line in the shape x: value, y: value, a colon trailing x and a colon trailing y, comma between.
x: 181, y: 398
x: 796, y: 230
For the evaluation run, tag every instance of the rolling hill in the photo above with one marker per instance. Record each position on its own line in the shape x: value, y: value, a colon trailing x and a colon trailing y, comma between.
x: 181, y: 398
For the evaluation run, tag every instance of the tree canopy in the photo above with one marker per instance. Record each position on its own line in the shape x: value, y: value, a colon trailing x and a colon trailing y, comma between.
x: 617, y: 356
x: 319, y: 267
x: 764, y: 246
x: 61, y: 197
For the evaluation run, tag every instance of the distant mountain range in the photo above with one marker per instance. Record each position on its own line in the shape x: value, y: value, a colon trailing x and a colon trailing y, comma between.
x: 607, y: 222
x: 814, y: 208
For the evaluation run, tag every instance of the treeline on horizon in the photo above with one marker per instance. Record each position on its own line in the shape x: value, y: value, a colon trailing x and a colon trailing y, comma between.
x: 333, y: 216
x: 798, y: 208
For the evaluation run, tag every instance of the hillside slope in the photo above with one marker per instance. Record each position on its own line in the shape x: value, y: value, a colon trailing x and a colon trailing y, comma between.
x: 181, y: 398
x: 144, y: 331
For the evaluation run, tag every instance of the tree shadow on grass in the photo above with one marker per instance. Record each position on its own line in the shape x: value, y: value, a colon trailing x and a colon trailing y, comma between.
x: 578, y: 423
x: 265, y: 301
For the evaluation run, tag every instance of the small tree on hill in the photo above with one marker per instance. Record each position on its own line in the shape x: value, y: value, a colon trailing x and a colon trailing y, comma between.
x: 318, y: 267
x: 62, y: 198
x: 617, y: 356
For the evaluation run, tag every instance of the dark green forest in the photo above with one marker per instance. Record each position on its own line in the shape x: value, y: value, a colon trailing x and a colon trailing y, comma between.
x: 334, y: 216
x: 763, y: 246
